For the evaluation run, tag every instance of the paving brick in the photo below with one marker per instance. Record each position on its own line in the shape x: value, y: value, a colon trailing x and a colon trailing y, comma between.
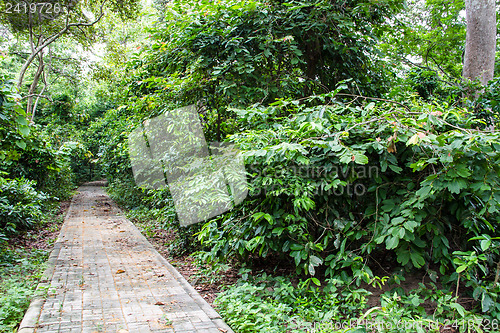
x: 106, y: 278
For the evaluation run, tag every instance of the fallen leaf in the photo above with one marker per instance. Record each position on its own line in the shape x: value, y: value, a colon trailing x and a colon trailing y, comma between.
x: 391, y: 145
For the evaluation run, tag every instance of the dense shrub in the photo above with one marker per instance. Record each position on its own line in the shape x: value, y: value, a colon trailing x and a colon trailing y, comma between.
x: 335, y: 187
x: 422, y: 81
x: 275, y: 304
x: 20, y: 205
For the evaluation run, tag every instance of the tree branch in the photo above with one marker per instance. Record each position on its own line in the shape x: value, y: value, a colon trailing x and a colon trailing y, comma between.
x: 40, y: 96
x: 53, y: 38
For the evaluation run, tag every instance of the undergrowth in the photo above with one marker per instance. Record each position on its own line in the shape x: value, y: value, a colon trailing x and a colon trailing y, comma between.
x: 22, y: 267
x: 20, y: 272
x: 276, y: 304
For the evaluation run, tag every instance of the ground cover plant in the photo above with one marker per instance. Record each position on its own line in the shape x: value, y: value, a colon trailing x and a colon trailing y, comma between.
x: 22, y: 265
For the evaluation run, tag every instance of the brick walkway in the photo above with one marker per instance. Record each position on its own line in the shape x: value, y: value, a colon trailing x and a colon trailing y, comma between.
x: 104, y: 276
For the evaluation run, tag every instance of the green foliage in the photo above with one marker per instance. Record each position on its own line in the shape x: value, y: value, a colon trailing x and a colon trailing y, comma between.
x: 274, y: 304
x: 335, y: 184
x: 424, y: 82
x: 20, y: 206
x: 106, y: 140
x: 406, y: 312
x: 13, y: 124
x: 432, y: 32
x: 488, y: 104
x: 20, y: 275
x: 332, y: 186
x: 241, y: 52
x: 208, y: 272
x: 478, y: 267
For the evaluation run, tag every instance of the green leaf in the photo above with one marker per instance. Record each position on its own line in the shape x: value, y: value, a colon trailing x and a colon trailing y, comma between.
x: 424, y: 191
x: 391, y: 242
x: 316, y: 261
x: 253, y: 243
x: 21, y: 144
x: 397, y: 220
x: 456, y: 185
x: 415, y: 301
x: 417, y: 259
x: 311, y: 269
x: 486, y: 303
x: 403, y: 257
x: 462, y: 171
x: 395, y: 168
x: 24, y: 130
x: 388, y: 205
x: 459, y: 308
x: 22, y: 121
x: 278, y: 231
x: 410, y: 225
x: 360, y: 159
x: 296, y: 255
x: 485, y: 244
x: 316, y: 282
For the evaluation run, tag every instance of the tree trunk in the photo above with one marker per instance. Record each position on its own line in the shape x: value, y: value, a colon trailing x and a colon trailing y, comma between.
x: 31, y: 93
x: 480, y: 44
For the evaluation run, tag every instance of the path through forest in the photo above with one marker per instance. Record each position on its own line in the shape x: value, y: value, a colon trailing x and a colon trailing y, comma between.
x: 104, y: 276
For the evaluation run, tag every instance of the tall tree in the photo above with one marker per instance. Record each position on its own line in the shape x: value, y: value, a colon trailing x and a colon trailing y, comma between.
x: 43, y: 23
x: 480, y: 44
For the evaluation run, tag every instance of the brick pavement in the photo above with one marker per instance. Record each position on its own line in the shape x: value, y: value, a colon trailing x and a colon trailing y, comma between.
x: 104, y: 276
